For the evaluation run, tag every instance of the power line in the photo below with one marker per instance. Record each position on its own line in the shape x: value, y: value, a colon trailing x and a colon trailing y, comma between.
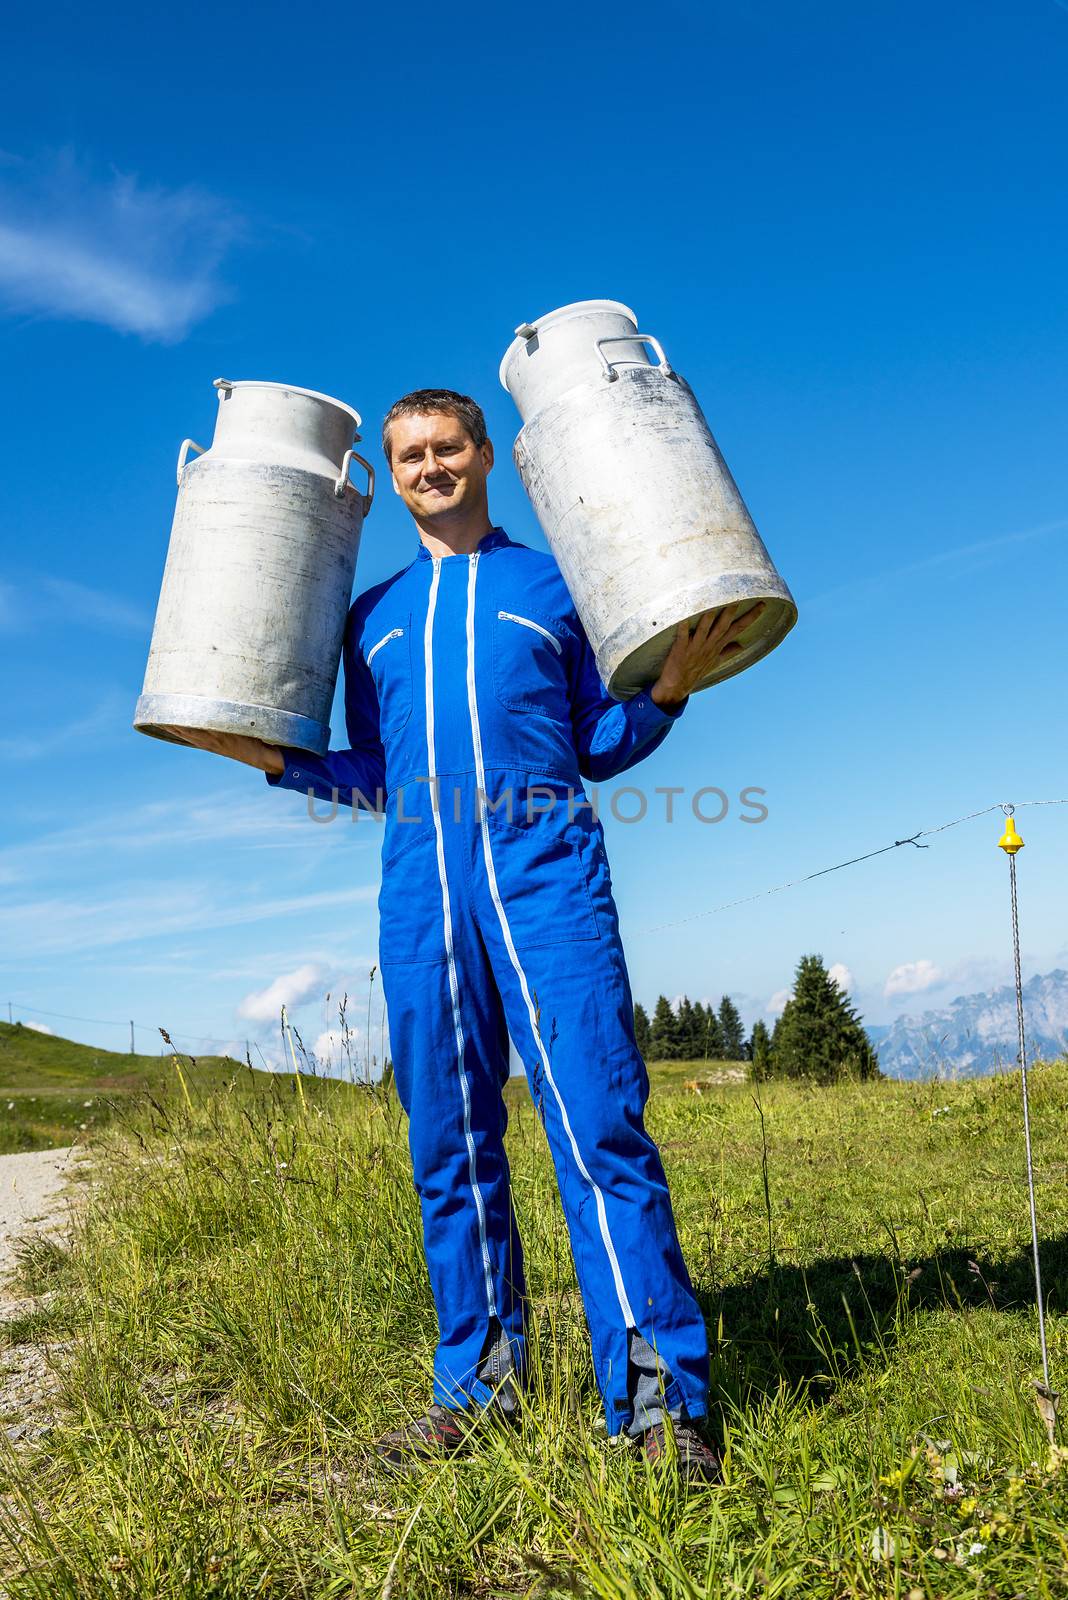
x: 110, y: 1022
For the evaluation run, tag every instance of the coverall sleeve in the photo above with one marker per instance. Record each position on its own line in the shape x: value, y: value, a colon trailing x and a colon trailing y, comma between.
x: 612, y: 735
x: 359, y: 771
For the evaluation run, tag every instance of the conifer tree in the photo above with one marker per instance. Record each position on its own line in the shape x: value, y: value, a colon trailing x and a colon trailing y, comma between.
x: 819, y: 1035
x: 759, y: 1052
x: 687, y: 1030
x: 664, y: 1032
x: 732, y: 1033
x: 642, y: 1030
x: 701, y: 1033
x: 711, y: 1035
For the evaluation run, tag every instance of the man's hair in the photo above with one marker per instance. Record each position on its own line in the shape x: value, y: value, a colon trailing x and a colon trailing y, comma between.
x: 437, y: 403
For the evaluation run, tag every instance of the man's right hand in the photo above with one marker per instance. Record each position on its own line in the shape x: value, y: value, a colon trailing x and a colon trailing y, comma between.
x: 237, y: 746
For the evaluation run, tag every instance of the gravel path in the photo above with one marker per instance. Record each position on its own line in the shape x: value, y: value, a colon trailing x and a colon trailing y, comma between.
x: 30, y: 1186
x: 32, y: 1204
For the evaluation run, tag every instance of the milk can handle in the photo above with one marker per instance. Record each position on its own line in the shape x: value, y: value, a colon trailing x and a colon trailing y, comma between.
x: 630, y: 338
x: 339, y: 487
x: 187, y: 445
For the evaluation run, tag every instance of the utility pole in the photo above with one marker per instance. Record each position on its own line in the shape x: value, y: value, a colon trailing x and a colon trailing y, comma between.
x: 9, y: 1014
x: 131, y: 1039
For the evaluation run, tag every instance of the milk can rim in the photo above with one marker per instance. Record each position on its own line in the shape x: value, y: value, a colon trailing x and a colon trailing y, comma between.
x: 291, y: 388
x: 575, y: 308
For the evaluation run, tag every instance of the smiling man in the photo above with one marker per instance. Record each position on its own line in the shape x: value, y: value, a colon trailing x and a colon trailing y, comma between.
x: 474, y: 704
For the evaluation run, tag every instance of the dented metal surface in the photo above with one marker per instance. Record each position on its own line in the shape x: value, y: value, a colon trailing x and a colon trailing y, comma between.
x: 638, y: 505
x: 259, y: 572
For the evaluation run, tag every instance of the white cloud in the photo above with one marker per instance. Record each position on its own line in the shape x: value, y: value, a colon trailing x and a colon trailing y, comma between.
x: 841, y: 975
x: 40, y: 1027
x: 777, y: 1003
x: 913, y: 977
x: 289, y: 990
x: 137, y: 257
x: 333, y: 1050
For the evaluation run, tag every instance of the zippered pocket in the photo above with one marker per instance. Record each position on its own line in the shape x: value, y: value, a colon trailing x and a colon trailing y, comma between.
x: 510, y: 616
x: 394, y: 633
x: 393, y: 678
x: 530, y: 666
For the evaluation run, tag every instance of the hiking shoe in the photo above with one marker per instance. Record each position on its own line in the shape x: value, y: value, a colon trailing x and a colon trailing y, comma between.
x: 442, y: 1432
x: 696, y: 1462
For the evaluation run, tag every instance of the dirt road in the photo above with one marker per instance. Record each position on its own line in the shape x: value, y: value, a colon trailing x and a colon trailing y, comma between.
x: 32, y: 1205
x: 30, y: 1185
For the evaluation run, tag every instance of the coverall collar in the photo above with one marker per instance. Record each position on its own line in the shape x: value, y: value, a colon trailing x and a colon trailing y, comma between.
x: 489, y: 541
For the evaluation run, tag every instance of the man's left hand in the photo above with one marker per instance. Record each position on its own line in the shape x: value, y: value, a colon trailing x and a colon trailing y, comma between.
x: 693, y: 655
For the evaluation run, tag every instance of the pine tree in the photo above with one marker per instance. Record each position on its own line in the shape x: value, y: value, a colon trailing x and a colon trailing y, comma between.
x: 711, y: 1035
x: 759, y: 1052
x: 731, y: 1031
x: 705, y: 1036
x: 642, y: 1030
x: 819, y: 1035
x: 687, y: 1030
x: 697, y: 1031
x: 664, y: 1032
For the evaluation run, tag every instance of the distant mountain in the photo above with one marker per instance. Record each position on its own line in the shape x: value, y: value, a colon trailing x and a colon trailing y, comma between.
x: 976, y: 1033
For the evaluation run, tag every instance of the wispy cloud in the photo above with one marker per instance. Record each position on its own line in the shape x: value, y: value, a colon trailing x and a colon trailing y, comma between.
x: 219, y: 817
x: 39, y: 599
x: 135, y: 256
x: 958, y: 559
x: 28, y: 747
x: 96, y: 607
x: 62, y: 926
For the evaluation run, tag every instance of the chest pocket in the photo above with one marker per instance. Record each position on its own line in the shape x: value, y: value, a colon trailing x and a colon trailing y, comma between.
x: 528, y: 665
x: 389, y: 661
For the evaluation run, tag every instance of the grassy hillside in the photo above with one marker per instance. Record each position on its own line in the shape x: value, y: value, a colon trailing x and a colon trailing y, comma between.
x: 53, y: 1090
x: 247, y: 1308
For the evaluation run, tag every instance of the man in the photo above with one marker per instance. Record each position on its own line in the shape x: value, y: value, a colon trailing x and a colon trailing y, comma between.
x: 473, y: 703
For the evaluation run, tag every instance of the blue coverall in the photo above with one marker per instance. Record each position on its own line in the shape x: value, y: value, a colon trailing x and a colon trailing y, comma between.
x: 474, y: 705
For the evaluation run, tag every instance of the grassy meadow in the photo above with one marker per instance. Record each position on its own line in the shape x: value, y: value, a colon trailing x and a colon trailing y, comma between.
x: 244, y: 1308
x: 53, y: 1091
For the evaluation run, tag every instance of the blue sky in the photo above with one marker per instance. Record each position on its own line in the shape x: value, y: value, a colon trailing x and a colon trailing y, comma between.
x: 847, y: 226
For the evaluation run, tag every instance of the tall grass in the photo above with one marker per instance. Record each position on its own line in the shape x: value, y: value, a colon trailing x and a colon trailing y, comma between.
x: 245, y: 1308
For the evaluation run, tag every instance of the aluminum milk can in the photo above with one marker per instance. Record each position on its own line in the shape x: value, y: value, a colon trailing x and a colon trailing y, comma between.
x: 259, y: 571
x: 640, y: 510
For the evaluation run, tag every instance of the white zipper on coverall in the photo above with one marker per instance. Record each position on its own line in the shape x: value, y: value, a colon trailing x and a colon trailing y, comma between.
x: 480, y: 783
x: 394, y: 633
x: 510, y: 616
x: 454, y: 988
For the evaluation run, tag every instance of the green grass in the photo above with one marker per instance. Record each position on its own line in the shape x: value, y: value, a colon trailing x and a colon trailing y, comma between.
x: 248, y: 1309
x: 53, y: 1090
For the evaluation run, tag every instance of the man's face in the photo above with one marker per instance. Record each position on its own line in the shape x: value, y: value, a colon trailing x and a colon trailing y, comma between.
x: 438, y: 470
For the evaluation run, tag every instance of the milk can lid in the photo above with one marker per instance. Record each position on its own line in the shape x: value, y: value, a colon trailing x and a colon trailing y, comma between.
x: 577, y: 308
x: 290, y: 388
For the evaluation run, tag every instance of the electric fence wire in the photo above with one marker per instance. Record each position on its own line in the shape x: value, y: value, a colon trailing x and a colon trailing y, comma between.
x: 794, y: 883
x: 1045, y: 1391
x: 728, y: 905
